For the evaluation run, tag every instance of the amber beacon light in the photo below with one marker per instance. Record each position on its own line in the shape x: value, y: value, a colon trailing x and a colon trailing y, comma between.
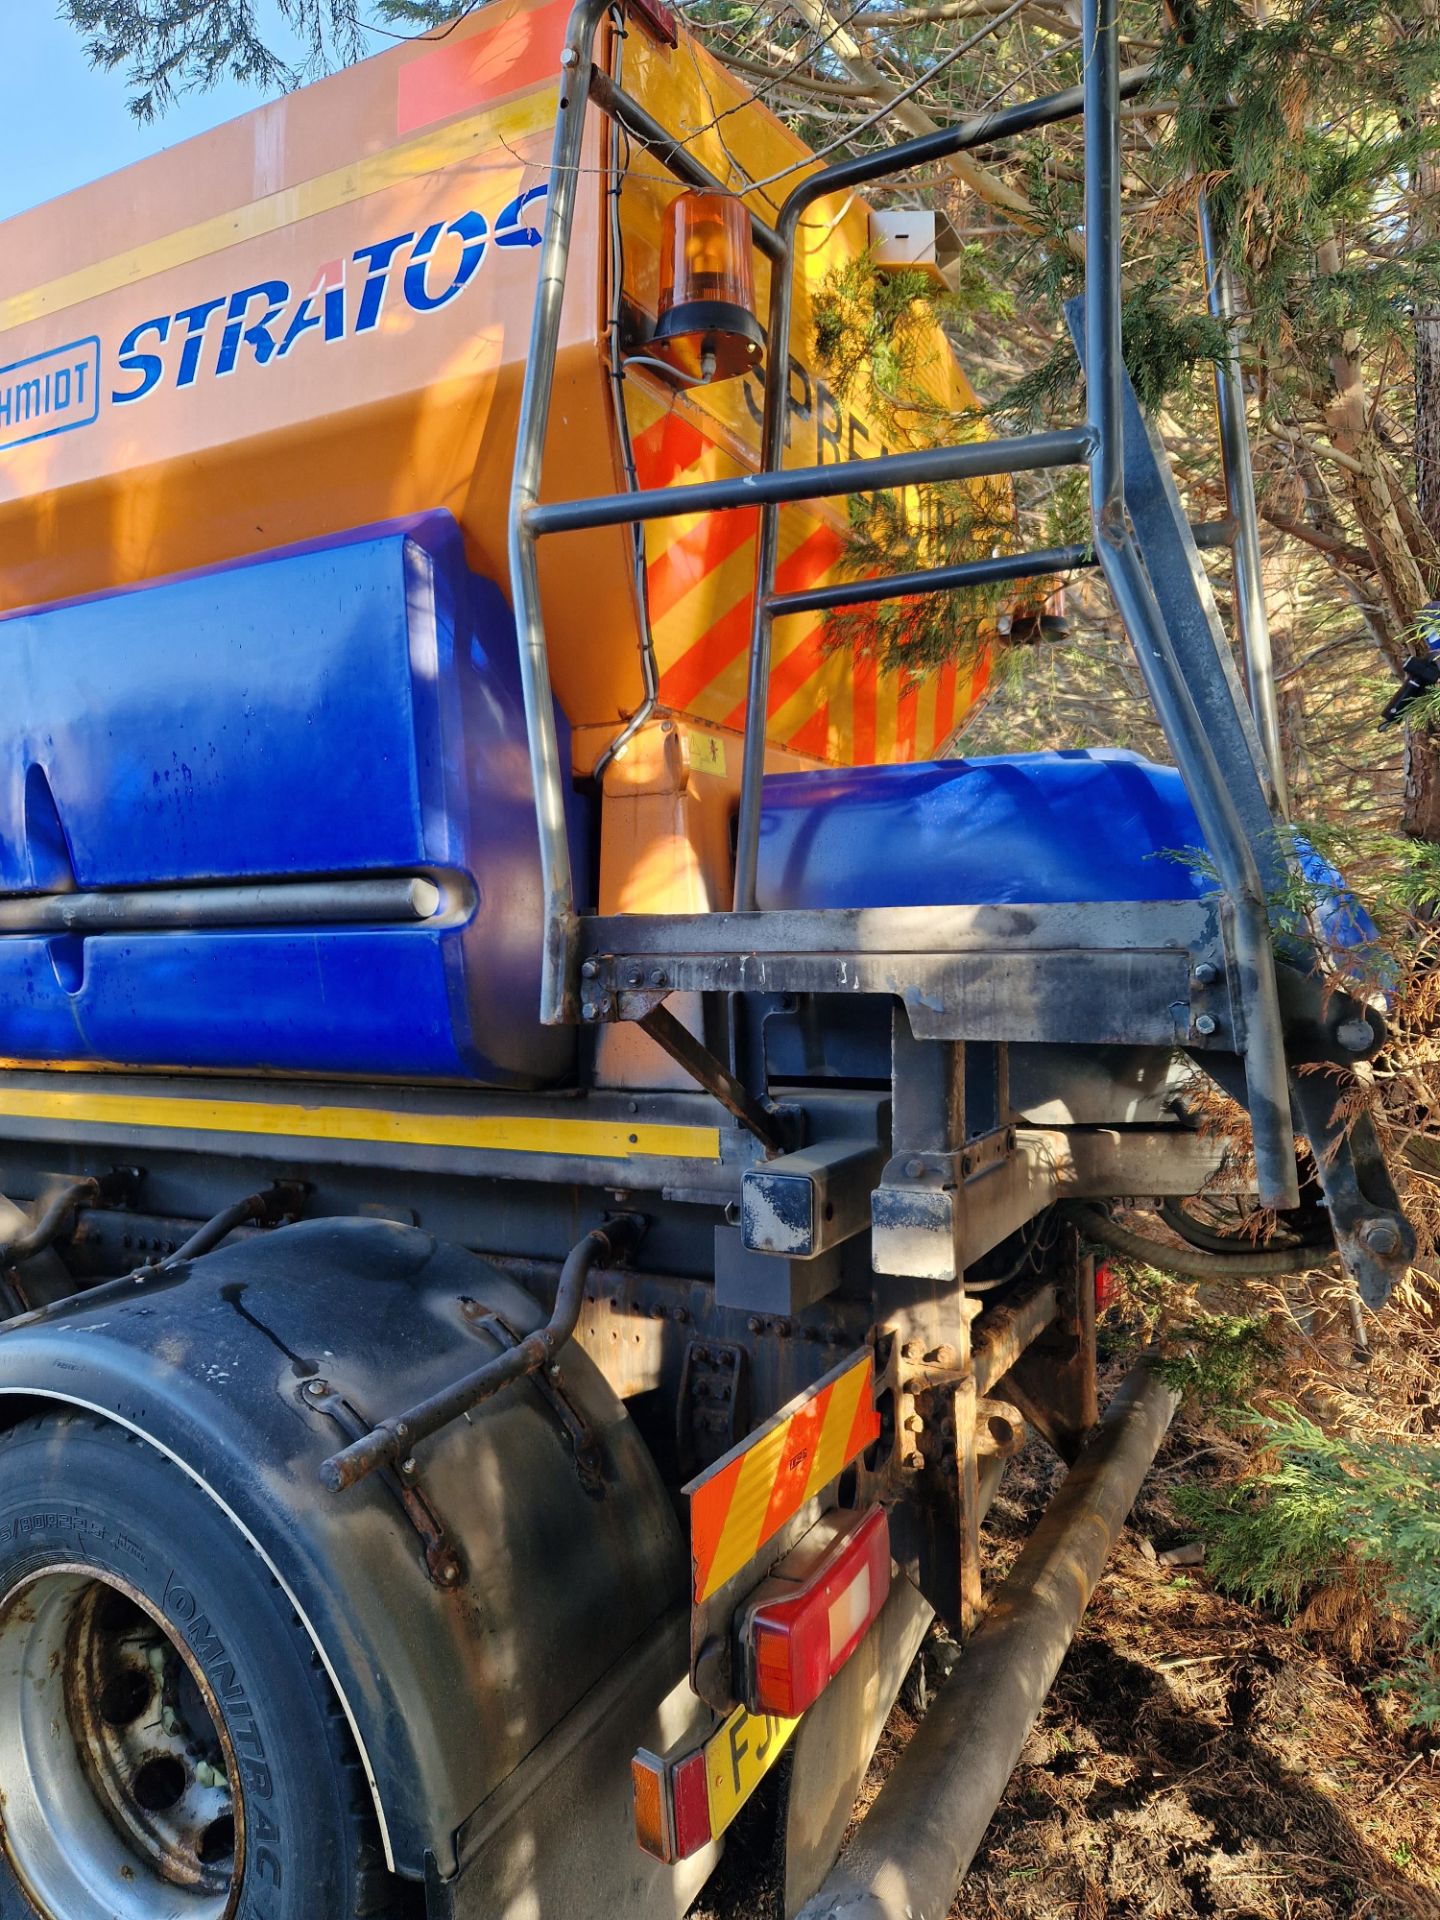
x: 707, y: 326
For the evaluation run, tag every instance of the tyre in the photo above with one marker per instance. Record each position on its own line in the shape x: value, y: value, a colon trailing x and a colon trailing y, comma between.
x: 170, y: 1748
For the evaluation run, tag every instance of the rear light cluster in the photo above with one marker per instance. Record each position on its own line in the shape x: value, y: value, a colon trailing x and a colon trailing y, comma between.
x: 672, y: 1804
x: 805, y: 1622
x: 791, y: 1638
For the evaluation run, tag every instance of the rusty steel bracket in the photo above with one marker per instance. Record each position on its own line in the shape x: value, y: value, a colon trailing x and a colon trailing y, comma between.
x: 932, y: 1482
x: 1053, y: 1381
x: 768, y: 1126
x: 402, y: 1482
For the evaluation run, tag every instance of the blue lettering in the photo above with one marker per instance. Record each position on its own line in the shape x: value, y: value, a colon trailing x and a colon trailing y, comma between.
x: 62, y: 389
x: 335, y: 313
x: 469, y: 228
x: 80, y: 373
x: 508, y: 230
x: 198, y: 321
x: 4, y: 406
x: 275, y: 293
x: 149, y: 366
x: 380, y: 256
x: 305, y: 317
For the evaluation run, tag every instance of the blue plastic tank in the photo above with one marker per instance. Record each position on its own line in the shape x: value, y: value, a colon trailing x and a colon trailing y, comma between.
x: 1089, y: 824
x: 346, y: 708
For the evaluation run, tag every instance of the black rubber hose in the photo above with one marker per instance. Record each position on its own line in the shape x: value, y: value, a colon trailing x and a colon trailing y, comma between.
x: 255, y: 1206
x: 392, y: 1440
x: 1212, y: 1240
x: 48, y: 1224
x: 1257, y: 1264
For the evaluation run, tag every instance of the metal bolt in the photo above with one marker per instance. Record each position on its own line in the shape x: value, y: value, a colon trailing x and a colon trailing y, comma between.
x: 1206, y: 974
x: 570, y: 58
x: 913, y: 1423
x: 944, y: 1356
x: 755, y: 1324
x: 589, y: 969
x: 914, y: 1462
x: 1380, y: 1237
x: 315, y: 1389
x: 636, y: 976
x: 1355, y: 1036
x: 1206, y: 1024
x: 657, y: 977
x: 912, y: 1350
x: 408, y: 1469
x: 914, y: 1169
x: 592, y: 1012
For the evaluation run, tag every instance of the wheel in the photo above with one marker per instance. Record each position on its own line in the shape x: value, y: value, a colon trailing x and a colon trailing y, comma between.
x: 170, y: 1748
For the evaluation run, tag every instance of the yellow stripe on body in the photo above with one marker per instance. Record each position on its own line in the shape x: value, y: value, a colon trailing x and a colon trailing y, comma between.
x: 603, y: 1139
x: 427, y: 153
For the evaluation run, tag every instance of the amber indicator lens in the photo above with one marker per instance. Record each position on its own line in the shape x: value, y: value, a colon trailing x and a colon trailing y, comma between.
x: 707, y: 326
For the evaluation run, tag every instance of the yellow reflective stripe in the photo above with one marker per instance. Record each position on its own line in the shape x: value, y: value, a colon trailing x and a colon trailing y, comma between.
x: 497, y: 1133
x: 832, y: 1443
x: 427, y: 153
x: 749, y: 1504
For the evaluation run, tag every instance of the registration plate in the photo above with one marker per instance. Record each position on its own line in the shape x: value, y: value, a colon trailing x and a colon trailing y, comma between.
x: 737, y: 1758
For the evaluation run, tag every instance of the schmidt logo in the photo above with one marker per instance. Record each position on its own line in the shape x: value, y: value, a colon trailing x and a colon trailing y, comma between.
x: 50, y: 393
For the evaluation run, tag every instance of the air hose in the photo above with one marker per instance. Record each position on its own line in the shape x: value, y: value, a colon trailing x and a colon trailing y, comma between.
x: 1258, y: 1263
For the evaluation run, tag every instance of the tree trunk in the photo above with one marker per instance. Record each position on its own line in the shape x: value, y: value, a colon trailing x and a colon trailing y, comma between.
x: 1421, y: 812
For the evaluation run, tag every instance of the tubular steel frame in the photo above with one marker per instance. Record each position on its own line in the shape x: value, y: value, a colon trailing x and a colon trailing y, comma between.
x: 1214, y: 767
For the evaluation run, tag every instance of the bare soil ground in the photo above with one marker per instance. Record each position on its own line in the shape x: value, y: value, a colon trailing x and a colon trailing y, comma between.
x: 1195, y: 1758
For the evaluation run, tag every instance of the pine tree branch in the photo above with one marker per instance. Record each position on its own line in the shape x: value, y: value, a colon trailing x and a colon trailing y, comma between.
x: 988, y: 186
x: 1355, y: 557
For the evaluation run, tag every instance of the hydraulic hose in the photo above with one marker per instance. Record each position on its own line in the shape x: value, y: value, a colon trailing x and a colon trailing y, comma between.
x: 49, y: 1222
x: 1259, y: 1263
x: 1211, y: 1240
x: 255, y: 1206
x: 393, y: 1440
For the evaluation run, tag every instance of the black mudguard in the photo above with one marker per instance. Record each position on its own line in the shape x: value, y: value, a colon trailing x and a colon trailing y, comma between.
x: 562, y: 1566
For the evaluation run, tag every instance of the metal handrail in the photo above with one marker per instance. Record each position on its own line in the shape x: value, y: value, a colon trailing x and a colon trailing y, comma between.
x: 581, y: 81
x: 1100, y: 445
x: 842, y: 176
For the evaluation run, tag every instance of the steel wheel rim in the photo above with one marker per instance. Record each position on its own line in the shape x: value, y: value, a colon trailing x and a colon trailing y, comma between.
x: 118, y: 1782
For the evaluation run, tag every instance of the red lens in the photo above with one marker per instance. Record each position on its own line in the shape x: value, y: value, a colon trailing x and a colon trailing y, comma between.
x: 798, y: 1642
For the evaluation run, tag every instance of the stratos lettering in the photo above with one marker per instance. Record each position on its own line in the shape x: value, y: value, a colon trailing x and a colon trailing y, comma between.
x: 264, y: 323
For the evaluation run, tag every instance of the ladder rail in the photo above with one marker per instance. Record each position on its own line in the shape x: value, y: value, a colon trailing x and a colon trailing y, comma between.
x: 1211, y: 790
x: 841, y: 176
x: 581, y: 82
